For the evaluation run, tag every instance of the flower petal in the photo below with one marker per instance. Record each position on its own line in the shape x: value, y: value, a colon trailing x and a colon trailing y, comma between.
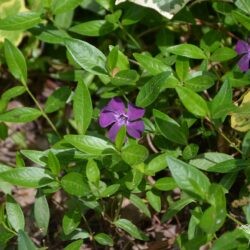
x: 135, y: 129
x: 116, y: 105
x: 242, y: 47
x: 113, y: 131
x: 106, y: 118
x: 134, y: 112
x: 244, y: 63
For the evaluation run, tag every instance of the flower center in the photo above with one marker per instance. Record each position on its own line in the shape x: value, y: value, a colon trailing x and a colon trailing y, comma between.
x: 122, y: 119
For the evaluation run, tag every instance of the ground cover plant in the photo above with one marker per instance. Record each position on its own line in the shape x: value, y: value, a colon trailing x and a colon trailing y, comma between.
x: 124, y: 124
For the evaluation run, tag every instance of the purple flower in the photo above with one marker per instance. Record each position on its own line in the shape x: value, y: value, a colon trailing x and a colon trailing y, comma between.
x: 243, y: 48
x: 116, y: 115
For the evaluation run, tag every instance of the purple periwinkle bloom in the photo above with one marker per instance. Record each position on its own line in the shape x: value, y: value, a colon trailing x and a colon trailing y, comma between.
x: 116, y: 115
x: 243, y: 49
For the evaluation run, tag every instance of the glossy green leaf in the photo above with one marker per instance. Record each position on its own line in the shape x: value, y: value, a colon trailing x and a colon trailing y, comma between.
x: 130, y: 228
x: 194, y: 103
x: 154, y: 200
x: 24, y: 241
x: 189, y: 178
x: 3, y: 131
x: 151, y: 89
x: 92, y: 171
x: 169, y: 128
x: 120, y: 137
x: 93, y: 28
x: 42, y: 213
x: 20, y: 115
x: 190, y: 151
x: 243, y: 5
x: 187, y: 50
x: 20, y: 21
x: 82, y: 107
x: 165, y: 184
x: 87, y: 56
x: 13, y: 92
x: 71, y: 220
x: 76, y: 245
x: 57, y: 100
x: 33, y: 177
x: 125, y: 78
x: 110, y: 190
x: 53, y: 163
x: 242, y: 19
x: 60, y: 6
x: 182, y: 67
x: 134, y: 154
x: 138, y: 202
x: 90, y: 144
x: 73, y: 183
x: 112, y: 59
x: 176, y: 207
x: 15, y: 61
x: 14, y: 214
x: 153, y: 65
x: 223, y: 54
x: 222, y: 102
x: 104, y: 239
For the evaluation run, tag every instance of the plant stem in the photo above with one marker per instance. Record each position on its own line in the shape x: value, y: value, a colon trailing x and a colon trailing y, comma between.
x: 90, y: 230
x: 234, y: 219
x: 42, y: 111
x: 137, y: 45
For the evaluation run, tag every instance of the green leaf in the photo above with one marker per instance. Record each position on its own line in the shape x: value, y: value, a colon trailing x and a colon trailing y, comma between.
x: 3, y: 131
x: 87, y: 56
x: 229, y: 166
x: 42, y: 213
x: 194, y: 103
x: 153, y: 65
x: 71, y: 220
x: 112, y: 59
x: 93, y: 28
x: 92, y: 171
x: 82, y: 107
x: 53, y: 163
x: 13, y: 92
x: 73, y: 183
x: 175, y: 207
x: 138, y: 202
x: 199, y: 81
x: 182, y: 67
x: 134, y: 154
x: 246, y: 145
x: 222, y: 102
x: 5, y: 235
x: 243, y: 5
x: 60, y: 6
x: 20, y: 21
x: 24, y: 241
x: 165, y: 184
x: 187, y: 50
x: 33, y: 177
x: 214, y: 217
x: 90, y: 144
x: 15, y: 61
x: 223, y: 54
x: 76, y: 245
x: 120, y: 138
x: 189, y: 178
x: 104, y: 239
x: 14, y: 214
x: 57, y: 100
x: 154, y: 200
x: 242, y: 19
x: 125, y: 78
x: 130, y: 228
x: 20, y: 115
x: 169, y: 128
x: 190, y: 151
x: 110, y: 190
x: 151, y: 89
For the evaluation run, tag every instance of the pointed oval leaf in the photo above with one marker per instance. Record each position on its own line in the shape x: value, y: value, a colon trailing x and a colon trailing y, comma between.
x: 61, y: 6
x: 194, y: 103
x: 104, y: 239
x: 24, y: 241
x: 82, y: 107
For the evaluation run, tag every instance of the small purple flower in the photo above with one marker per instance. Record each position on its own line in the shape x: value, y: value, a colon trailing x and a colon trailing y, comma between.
x: 116, y: 115
x: 243, y: 48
